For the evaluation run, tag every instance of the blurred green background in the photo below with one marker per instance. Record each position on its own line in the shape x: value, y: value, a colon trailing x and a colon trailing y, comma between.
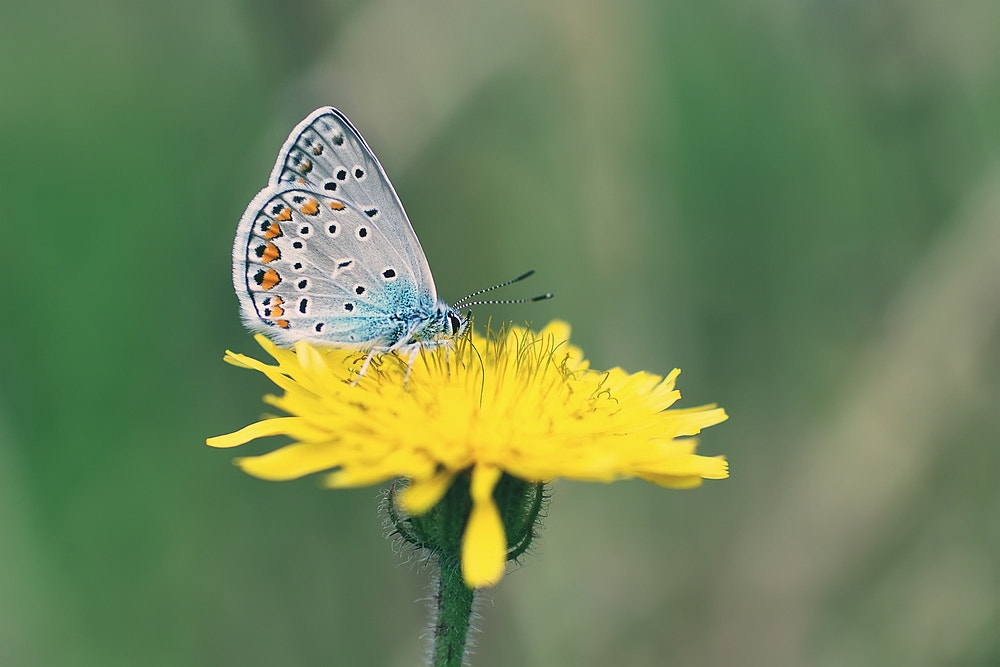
x: 798, y: 203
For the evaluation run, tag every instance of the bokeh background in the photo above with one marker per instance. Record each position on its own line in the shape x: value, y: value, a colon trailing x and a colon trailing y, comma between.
x: 798, y: 203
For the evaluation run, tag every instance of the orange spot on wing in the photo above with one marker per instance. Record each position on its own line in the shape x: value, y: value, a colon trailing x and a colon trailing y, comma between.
x: 274, y: 307
x: 306, y: 167
x: 318, y: 149
x: 269, y: 279
x: 273, y: 231
x: 282, y: 323
x: 337, y: 206
x: 271, y: 253
x: 311, y: 207
x: 285, y: 215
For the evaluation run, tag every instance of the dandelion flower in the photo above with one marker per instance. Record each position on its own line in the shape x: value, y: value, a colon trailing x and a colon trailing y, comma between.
x: 514, y: 403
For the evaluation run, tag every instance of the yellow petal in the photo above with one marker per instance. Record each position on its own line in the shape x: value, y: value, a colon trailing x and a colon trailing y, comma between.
x: 690, y: 421
x: 262, y: 429
x: 558, y: 329
x: 673, y: 482
x: 687, y: 472
x: 291, y: 461
x: 424, y: 494
x: 484, y: 544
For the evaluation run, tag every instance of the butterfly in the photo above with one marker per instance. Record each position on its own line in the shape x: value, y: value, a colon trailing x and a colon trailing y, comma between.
x: 325, y: 252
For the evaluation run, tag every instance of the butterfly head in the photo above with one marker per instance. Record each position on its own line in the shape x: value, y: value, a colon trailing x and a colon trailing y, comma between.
x: 443, y: 323
x: 454, y: 324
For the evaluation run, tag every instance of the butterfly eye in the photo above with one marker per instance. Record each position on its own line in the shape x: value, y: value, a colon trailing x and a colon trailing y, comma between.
x: 454, y: 323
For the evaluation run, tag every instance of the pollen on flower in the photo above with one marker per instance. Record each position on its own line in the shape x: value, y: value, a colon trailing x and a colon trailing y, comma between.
x: 512, y: 402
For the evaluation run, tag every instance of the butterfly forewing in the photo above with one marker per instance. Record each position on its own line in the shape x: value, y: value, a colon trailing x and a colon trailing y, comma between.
x: 327, y: 155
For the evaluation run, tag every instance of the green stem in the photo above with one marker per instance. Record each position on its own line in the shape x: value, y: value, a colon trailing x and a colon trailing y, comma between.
x: 454, y: 611
x: 439, y: 533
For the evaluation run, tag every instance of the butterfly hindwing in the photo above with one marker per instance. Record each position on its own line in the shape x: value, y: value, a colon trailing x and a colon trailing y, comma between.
x: 314, y: 267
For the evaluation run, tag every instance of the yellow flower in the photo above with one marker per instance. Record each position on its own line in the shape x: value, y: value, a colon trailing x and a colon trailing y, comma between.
x: 517, y: 402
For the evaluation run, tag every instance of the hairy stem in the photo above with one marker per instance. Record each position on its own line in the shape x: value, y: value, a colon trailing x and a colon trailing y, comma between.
x: 454, y: 611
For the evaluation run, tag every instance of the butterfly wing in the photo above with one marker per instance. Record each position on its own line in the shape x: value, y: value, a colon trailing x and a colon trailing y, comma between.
x: 313, y: 267
x: 326, y: 154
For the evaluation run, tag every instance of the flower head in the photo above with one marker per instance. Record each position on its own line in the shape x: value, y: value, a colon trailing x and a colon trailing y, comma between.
x: 512, y: 402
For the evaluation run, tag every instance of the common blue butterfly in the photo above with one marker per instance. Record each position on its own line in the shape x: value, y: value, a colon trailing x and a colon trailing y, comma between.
x: 325, y: 253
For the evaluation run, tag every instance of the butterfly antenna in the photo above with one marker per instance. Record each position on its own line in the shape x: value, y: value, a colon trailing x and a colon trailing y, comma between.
x: 464, y: 299
x: 485, y: 302
x: 465, y: 303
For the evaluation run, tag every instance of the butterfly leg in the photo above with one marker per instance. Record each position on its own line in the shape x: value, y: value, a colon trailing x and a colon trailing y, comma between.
x: 409, y: 364
x: 364, y: 368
